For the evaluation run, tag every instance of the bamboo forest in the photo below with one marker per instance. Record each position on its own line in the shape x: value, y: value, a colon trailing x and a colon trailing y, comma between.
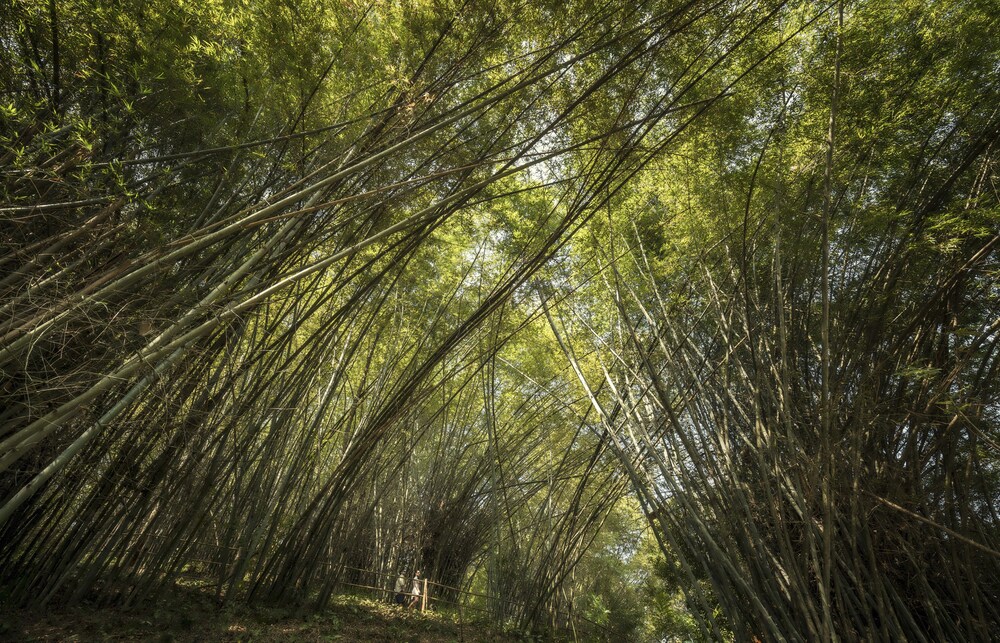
x: 500, y: 320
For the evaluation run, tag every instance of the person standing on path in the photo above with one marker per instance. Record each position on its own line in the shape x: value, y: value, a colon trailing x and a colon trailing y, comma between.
x: 415, y: 591
x: 400, y: 590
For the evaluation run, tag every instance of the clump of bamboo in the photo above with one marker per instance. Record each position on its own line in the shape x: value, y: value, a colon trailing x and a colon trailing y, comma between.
x: 804, y: 404
x: 212, y: 348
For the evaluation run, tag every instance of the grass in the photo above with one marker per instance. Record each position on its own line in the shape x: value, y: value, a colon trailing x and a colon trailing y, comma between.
x: 192, y: 617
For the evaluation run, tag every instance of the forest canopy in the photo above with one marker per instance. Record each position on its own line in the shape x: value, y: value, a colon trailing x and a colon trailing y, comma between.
x: 666, y: 318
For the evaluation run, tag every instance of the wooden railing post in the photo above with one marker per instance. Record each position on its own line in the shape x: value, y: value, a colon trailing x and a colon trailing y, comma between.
x: 423, y: 597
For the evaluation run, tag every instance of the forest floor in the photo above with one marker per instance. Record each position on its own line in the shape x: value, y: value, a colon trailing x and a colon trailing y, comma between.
x: 193, y: 618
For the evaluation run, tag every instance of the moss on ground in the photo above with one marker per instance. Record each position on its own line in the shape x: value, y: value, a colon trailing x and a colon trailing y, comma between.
x: 190, y: 617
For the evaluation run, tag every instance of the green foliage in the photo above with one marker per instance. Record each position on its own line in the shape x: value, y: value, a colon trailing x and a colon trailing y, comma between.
x: 628, y: 589
x: 298, y: 295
